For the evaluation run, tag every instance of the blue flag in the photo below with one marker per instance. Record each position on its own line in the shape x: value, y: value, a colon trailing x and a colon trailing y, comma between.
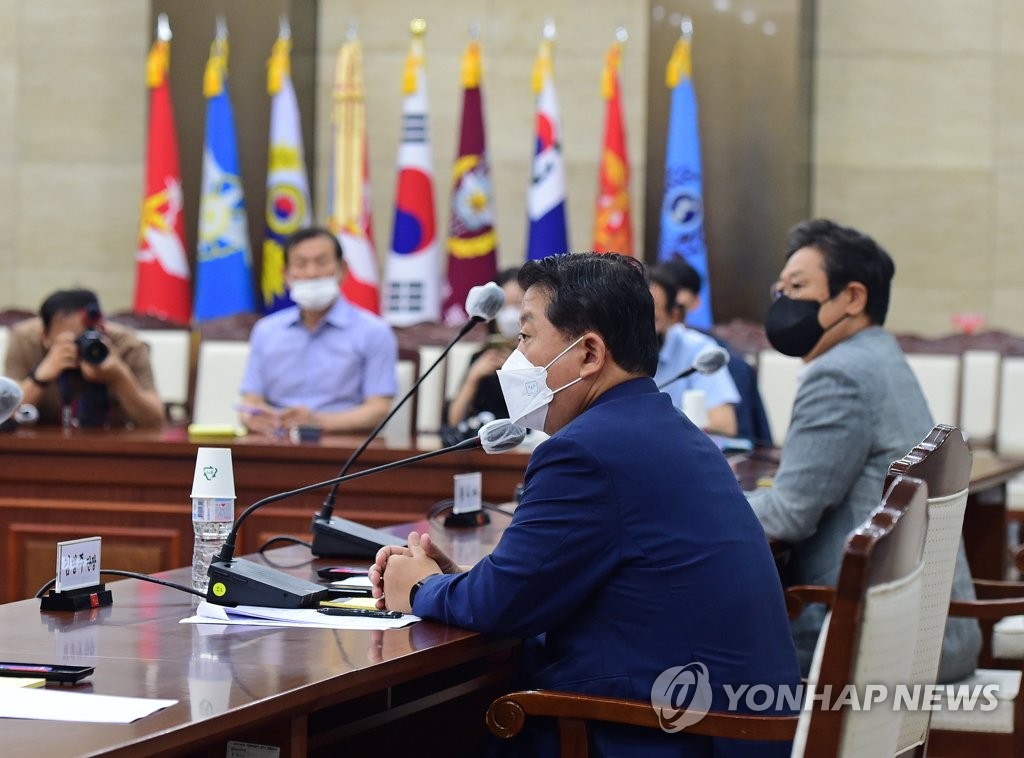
x: 682, y: 209
x: 545, y: 202
x: 224, y: 284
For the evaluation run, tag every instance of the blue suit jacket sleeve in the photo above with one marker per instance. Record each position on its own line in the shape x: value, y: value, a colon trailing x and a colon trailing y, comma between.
x: 560, y: 546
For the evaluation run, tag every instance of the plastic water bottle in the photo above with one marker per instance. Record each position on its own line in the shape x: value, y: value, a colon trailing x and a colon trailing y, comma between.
x: 211, y: 522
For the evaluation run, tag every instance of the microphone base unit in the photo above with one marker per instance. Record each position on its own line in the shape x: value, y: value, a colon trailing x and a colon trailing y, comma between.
x: 341, y: 538
x: 466, y: 520
x: 96, y: 596
x: 241, y: 582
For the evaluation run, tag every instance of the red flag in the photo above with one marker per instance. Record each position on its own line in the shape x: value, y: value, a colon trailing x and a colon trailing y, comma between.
x: 348, y: 190
x: 613, y: 230
x: 162, y: 286
x: 472, y: 242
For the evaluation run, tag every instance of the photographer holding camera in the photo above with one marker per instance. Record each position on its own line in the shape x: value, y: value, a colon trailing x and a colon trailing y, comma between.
x: 80, y: 371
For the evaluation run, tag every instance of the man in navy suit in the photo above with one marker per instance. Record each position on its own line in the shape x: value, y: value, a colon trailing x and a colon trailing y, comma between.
x: 633, y: 550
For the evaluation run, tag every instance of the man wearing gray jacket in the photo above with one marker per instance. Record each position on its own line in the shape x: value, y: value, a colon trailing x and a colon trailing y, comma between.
x: 858, y: 408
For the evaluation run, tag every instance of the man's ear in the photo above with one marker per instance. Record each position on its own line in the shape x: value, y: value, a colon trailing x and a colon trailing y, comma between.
x: 595, y: 355
x: 856, y: 298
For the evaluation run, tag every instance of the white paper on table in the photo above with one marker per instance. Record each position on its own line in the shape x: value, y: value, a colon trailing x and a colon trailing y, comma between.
x: 59, y: 705
x: 208, y: 613
x: 353, y: 581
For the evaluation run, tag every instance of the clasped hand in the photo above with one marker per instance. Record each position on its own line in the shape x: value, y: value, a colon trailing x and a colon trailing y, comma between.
x: 396, y: 569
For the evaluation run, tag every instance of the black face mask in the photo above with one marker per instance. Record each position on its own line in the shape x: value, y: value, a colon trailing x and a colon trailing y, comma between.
x: 792, y: 326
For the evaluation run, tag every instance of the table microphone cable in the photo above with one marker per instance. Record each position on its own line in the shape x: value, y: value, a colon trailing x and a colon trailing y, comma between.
x: 135, y: 575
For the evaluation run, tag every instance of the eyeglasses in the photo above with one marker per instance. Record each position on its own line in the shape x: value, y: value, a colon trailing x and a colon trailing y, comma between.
x: 792, y: 291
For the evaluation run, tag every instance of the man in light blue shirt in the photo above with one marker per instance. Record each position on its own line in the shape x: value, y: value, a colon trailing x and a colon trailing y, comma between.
x: 323, y: 362
x: 679, y: 347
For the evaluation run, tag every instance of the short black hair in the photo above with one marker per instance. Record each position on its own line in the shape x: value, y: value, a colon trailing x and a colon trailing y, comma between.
x: 658, y: 277
x: 64, y: 302
x: 602, y: 292
x: 849, y: 256
x: 311, y: 232
x: 507, y: 275
x: 686, y: 276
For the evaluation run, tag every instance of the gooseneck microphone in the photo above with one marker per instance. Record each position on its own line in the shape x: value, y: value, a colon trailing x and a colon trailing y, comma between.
x: 708, y: 361
x: 11, y: 397
x: 234, y: 581
x: 330, y: 535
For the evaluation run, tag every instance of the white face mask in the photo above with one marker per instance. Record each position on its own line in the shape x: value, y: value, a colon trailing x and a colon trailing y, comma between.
x: 314, y: 294
x: 525, y: 388
x: 507, y: 322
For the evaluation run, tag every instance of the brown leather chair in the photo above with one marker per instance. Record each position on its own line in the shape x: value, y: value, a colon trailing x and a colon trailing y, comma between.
x: 876, y: 603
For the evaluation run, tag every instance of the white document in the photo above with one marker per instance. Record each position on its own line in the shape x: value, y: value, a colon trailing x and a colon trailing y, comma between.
x: 61, y: 705
x: 208, y: 613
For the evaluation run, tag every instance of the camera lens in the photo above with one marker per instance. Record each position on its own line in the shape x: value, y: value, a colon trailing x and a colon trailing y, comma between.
x: 91, y: 347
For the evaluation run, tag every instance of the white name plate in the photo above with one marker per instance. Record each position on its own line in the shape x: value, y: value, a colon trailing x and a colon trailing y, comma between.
x: 78, y: 564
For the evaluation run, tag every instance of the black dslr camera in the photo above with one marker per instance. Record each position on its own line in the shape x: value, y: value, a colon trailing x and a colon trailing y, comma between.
x: 91, y: 347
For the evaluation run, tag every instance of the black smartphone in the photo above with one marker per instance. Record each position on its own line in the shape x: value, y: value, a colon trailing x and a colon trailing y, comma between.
x: 341, y: 572
x: 49, y: 671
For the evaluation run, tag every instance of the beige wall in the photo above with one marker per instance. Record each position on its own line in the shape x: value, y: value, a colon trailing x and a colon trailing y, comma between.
x: 918, y: 133
x: 71, y: 146
x: 510, y: 32
x: 919, y: 140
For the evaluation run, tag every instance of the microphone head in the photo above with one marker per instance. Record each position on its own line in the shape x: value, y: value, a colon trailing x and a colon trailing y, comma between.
x: 10, y: 397
x: 26, y: 414
x: 501, y: 435
x: 710, y: 359
x: 484, y: 301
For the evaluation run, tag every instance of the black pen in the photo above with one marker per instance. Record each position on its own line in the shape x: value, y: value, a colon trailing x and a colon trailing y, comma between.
x: 362, y: 612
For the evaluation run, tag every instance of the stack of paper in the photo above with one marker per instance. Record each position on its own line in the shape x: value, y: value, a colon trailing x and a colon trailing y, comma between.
x: 208, y: 613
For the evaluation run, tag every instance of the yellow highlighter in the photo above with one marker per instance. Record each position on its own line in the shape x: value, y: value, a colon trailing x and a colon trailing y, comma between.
x: 367, y: 603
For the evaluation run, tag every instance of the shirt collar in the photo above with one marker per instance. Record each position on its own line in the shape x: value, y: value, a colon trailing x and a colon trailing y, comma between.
x: 338, y: 315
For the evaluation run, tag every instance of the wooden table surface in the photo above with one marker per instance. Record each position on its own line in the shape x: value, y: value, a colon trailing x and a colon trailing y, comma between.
x: 301, y: 689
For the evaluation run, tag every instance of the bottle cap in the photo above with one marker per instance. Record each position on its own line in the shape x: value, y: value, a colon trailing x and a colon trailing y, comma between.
x: 214, y: 477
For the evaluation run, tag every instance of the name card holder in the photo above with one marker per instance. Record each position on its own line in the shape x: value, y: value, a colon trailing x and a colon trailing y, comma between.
x: 466, y: 506
x: 78, y: 584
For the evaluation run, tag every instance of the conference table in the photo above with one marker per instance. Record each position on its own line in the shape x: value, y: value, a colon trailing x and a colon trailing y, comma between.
x: 133, y: 488
x: 422, y: 690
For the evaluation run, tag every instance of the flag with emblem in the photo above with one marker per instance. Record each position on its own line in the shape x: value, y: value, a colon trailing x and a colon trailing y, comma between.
x: 412, y: 290
x: 613, y: 228
x: 545, y: 201
x: 472, y: 242
x: 682, y: 208
x: 163, y: 285
x: 288, y: 206
x: 348, y: 187
x: 224, y: 285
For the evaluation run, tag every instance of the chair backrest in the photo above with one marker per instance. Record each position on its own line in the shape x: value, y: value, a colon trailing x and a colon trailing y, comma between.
x: 1010, y: 430
x: 169, y: 351
x: 219, y: 371
x: 943, y: 461
x: 5, y: 336
x: 777, y: 381
x: 868, y: 637
x: 399, y: 431
x: 430, y: 395
x: 458, y: 364
x: 979, y: 396
x: 939, y: 377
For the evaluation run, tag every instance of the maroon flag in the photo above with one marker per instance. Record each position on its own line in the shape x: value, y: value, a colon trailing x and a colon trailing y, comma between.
x: 472, y: 241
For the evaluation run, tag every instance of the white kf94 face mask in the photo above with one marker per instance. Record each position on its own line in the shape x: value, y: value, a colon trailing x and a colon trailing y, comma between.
x: 525, y: 388
x: 314, y: 294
